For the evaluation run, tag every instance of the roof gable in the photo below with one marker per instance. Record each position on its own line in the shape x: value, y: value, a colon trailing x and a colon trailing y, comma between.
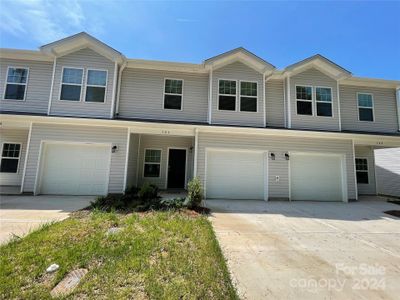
x: 242, y: 55
x: 79, y: 41
x: 320, y: 63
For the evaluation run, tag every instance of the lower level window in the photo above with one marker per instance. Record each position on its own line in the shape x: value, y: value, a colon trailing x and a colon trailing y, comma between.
x: 10, y: 156
x: 362, y: 170
x: 152, y: 163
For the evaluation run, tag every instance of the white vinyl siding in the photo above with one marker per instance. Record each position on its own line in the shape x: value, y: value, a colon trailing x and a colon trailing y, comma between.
x: 37, y: 89
x: 16, y: 136
x: 365, y: 152
x: 387, y: 163
x: 76, y: 133
x: 385, y: 111
x: 315, y: 78
x: 142, y: 94
x: 86, y: 59
x: 237, y: 71
x: 279, y: 146
x: 162, y: 143
x: 274, y: 103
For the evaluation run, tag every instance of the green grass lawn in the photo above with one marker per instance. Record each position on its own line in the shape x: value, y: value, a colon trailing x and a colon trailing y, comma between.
x: 157, y: 255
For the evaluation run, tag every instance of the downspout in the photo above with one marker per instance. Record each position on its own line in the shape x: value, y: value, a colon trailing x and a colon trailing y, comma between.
x: 264, y: 108
x: 52, y: 85
x: 289, y: 104
x: 113, y: 90
x: 338, y: 101
x: 119, y: 86
x: 210, y: 83
x: 398, y: 104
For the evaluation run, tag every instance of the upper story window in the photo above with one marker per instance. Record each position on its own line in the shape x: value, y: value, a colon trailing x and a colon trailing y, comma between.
x: 304, y: 100
x: 248, y: 96
x: 365, y: 107
x: 10, y: 155
x: 71, y: 84
x: 17, y: 79
x: 362, y: 170
x: 152, y: 163
x: 96, y: 83
x: 323, y: 96
x: 227, y: 95
x: 173, y: 90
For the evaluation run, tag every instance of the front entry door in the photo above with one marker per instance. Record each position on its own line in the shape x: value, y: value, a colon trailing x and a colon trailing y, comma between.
x: 176, y: 168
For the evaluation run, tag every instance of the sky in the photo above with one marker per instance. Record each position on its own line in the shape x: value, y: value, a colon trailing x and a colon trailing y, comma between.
x: 361, y: 36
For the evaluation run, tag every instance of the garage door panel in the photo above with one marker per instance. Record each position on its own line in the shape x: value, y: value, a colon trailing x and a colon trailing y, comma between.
x: 316, y: 177
x: 69, y: 169
x: 235, y: 175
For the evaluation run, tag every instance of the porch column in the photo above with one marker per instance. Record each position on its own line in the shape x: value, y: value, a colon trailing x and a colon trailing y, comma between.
x: 196, y: 147
x: 26, y: 157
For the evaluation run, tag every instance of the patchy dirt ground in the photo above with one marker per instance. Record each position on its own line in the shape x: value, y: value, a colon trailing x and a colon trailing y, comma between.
x: 310, y: 250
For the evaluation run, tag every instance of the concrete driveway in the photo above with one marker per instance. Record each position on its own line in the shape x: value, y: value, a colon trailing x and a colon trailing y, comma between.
x: 310, y: 250
x: 21, y: 214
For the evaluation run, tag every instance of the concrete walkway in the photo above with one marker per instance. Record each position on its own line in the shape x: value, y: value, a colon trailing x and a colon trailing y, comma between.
x: 310, y: 250
x: 21, y: 214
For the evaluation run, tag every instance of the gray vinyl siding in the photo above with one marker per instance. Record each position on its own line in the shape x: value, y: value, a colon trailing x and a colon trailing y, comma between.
x: 387, y: 163
x: 17, y: 136
x: 133, y: 160
x: 37, y: 90
x: 385, y: 111
x: 85, y: 134
x: 315, y: 78
x: 368, y: 153
x: 238, y: 71
x: 87, y: 59
x: 163, y: 142
x: 274, y: 103
x: 279, y: 146
x: 142, y: 95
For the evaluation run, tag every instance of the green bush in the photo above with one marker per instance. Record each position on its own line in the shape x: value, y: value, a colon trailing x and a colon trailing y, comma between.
x: 175, y: 203
x: 148, y: 192
x: 195, y: 193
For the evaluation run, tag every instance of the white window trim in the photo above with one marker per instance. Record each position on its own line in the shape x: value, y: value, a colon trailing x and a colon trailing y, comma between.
x: 25, y: 84
x: 322, y: 101
x: 365, y: 171
x: 230, y: 95
x: 61, y: 83
x: 19, y: 156
x: 151, y: 163
x: 173, y: 94
x: 95, y: 85
x: 373, y: 107
x: 240, y: 96
x: 304, y: 100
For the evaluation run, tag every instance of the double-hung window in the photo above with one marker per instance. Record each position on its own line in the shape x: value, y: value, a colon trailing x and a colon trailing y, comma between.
x: 304, y: 100
x: 173, y: 89
x: 323, y: 96
x: 71, y: 84
x: 96, y: 83
x: 17, y: 79
x: 362, y: 170
x: 365, y: 107
x: 10, y: 155
x: 227, y: 95
x: 152, y: 163
x: 248, y: 96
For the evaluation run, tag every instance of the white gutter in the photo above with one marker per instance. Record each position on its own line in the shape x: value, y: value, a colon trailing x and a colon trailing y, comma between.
x: 26, y: 157
x: 114, y: 89
x: 52, y: 85
x: 119, y: 86
x: 210, y: 83
x: 398, y: 105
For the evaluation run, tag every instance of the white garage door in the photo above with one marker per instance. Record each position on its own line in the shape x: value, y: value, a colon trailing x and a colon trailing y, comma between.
x: 316, y: 177
x: 75, y: 169
x: 235, y: 175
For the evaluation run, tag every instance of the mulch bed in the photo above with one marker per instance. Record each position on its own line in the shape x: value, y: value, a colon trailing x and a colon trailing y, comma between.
x: 395, y: 213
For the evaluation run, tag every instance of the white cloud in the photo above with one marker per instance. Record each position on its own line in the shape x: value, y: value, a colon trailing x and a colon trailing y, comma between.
x: 45, y: 20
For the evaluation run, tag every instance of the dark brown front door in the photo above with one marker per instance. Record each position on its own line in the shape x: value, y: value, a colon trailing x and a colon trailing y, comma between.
x: 176, y: 168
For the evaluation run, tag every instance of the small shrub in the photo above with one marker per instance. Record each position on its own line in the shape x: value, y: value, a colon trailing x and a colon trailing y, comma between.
x: 132, y: 191
x: 148, y: 192
x: 107, y: 203
x: 175, y: 203
x: 195, y: 193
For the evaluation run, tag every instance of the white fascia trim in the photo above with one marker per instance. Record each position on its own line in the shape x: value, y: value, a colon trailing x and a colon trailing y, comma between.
x: 338, y: 101
x: 119, y: 87
x: 26, y: 157
x: 52, y: 85
x: 398, y: 105
x: 288, y: 102
x: 114, y: 88
x: 128, y: 140
x: 210, y: 88
x: 196, y: 147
